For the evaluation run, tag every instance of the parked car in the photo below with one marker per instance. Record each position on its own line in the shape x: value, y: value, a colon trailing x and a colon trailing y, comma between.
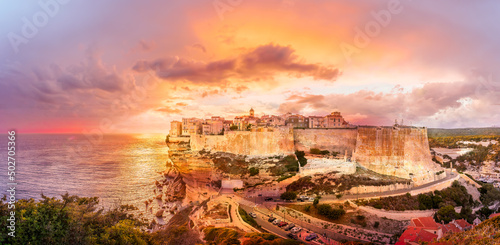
x: 276, y: 222
x: 253, y: 215
x: 289, y: 227
x: 311, y: 237
x: 293, y: 236
x: 282, y: 224
x: 271, y: 219
x: 296, y: 229
x: 300, y: 200
x: 267, y: 199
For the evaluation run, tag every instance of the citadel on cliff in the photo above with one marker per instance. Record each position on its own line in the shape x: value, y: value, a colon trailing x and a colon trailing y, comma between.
x: 398, y: 150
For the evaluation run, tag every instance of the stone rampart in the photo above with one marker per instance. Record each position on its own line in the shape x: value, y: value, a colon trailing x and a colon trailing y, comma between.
x: 397, y: 151
x: 334, y: 140
x: 278, y: 141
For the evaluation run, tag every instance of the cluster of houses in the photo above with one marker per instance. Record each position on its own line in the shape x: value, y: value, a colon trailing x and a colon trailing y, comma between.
x: 217, y: 125
x: 426, y: 230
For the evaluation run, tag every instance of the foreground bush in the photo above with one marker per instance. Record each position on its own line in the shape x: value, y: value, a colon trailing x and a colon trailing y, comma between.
x: 71, y: 220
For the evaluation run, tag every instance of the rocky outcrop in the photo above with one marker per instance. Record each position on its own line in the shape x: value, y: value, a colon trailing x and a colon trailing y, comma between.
x: 398, y: 151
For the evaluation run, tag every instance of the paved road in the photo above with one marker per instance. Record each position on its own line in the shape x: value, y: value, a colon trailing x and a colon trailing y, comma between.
x: 262, y: 221
x: 333, y: 198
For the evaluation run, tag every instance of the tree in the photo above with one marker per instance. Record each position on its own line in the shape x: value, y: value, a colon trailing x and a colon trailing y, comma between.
x: 289, y: 195
x: 446, y: 214
x: 301, y: 157
x: 489, y: 194
x: 233, y: 127
x: 329, y: 212
x: 425, y: 202
x: 316, y: 200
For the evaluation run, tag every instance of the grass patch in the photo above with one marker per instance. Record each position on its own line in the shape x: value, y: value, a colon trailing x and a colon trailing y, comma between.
x: 247, y: 218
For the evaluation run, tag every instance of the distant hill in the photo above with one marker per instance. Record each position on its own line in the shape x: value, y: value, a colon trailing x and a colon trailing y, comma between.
x: 443, y: 132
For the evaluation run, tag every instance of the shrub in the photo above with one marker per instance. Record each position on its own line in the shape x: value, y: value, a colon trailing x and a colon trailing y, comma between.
x: 288, y: 195
x: 300, y: 156
x: 253, y: 171
x: 233, y: 127
x: 329, y: 212
x: 318, y: 151
x: 376, y: 225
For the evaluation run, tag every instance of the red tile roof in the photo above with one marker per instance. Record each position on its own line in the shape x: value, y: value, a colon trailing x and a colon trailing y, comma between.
x: 494, y: 215
x: 463, y: 223
x: 416, y: 234
x: 426, y: 222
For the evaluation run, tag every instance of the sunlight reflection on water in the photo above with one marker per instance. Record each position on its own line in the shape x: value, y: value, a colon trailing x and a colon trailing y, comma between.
x: 121, y: 169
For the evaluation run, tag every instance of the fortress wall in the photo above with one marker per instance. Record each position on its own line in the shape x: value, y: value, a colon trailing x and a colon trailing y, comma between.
x: 395, y: 151
x: 338, y: 140
x: 279, y: 141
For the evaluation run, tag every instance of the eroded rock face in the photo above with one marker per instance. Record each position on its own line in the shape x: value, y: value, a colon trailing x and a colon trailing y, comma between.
x: 398, y: 151
x: 191, y: 170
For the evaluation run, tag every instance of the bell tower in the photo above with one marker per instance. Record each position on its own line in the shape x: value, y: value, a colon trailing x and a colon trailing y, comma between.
x: 251, y: 112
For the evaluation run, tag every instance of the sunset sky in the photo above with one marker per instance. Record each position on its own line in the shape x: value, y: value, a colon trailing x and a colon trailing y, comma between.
x: 133, y: 66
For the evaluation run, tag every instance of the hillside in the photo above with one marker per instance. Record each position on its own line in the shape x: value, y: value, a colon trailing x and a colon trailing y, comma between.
x: 488, y: 232
x: 443, y: 132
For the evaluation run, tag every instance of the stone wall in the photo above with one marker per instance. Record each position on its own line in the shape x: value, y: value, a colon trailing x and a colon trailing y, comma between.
x: 278, y: 141
x: 397, y: 151
x: 339, y: 140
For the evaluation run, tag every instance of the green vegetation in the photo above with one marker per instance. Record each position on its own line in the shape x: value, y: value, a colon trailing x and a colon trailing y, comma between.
x: 455, y: 195
x: 288, y: 195
x: 484, y: 233
x: 316, y: 200
x: 330, y: 212
x: 247, y: 218
x: 360, y: 220
x: 329, y: 185
x: 79, y: 220
x: 233, y: 127
x: 301, y: 157
x: 234, y: 164
x: 489, y: 194
x: 216, y: 236
x: 446, y: 214
x: 441, y: 132
x: 292, y: 165
x: 288, y: 164
x: 477, y: 156
x: 284, y: 177
x: 253, y: 171
x: 267, y: 238
x: 318, y: 151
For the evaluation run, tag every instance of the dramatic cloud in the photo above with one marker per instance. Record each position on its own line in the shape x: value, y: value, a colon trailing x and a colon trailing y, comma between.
x: 261, y: 63
x: 432, y: 63
x: 421, y: 105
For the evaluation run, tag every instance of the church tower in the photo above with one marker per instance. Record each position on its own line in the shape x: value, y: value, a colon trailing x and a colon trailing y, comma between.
x: 251, y: 112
